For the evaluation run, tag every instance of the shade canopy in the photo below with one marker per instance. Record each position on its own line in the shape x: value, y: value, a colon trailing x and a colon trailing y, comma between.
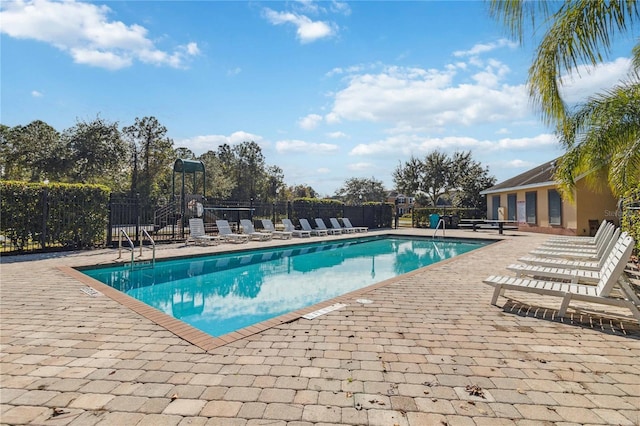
x: 188, y: 166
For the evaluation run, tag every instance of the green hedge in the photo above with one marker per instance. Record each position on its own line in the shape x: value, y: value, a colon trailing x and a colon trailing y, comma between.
x: 55, y: 215
x: 310, y: 208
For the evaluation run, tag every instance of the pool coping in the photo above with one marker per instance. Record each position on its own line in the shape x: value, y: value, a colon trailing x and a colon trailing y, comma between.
x: 208, y: 342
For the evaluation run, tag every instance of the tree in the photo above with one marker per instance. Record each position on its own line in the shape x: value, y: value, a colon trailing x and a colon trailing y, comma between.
x: 98, y: 153
x: 35, y: 152
x: 458, y: 178
x: 152, y: 154
x: 300, y: 191
x: 361, y: 190
x: 603, y: 132
x: 218, y: 184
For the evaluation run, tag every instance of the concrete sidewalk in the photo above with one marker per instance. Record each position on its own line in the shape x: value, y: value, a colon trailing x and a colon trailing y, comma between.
x: 429, y: 350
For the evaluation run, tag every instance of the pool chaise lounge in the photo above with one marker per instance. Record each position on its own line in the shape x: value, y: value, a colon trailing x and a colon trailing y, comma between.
x: 574, y: 274
x: 598, y: 252
x: 248, y: 229
x: 336, y: 225
x: 307, y: 227
x: 225, y: 232
x: 580, y: 240
x: 321, y: 227
x: 198, y: 235
x: 268, y: 226
x: 288, y: 227
x: 611, y: 281
x: 347, y: 224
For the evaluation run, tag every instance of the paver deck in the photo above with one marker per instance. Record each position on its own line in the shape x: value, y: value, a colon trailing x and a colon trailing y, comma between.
x: 412, y: 357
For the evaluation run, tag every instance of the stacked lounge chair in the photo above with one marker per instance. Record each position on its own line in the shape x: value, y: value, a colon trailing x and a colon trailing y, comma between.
x: 604, y: 282
x: 247, y: 228
x: 289, y: 227
x: 268, y: 226
x: 226, y: 234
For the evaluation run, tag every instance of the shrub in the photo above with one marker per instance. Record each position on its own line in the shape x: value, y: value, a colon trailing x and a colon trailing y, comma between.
x: 53, y: 215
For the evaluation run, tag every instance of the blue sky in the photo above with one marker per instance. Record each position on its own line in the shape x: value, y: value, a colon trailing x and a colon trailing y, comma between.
x: 330, y: 90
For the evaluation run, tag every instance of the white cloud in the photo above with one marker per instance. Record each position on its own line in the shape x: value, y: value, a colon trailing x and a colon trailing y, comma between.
x: 503, y: 131
x: 429, y: 98
x: 587, y: 80
x: 485, y: 47
x: 323, y: 170
x: 518, y: 164
x: 336, y: 135
x: 358, y: 167
x: 36, y: 94
x: 414, y: 144
x: 310, y: 122
x: 340, y: 7
x: 234, y: 71
x: 307, y: 30
x: 298, y: 146
x: 85, y: 32
x: 201, y: 144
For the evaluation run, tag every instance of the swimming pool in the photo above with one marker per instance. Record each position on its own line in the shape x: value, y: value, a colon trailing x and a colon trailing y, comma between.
x: 222, y: 293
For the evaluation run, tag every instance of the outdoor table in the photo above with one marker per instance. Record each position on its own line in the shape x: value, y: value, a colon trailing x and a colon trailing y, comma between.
x: 474, y: 223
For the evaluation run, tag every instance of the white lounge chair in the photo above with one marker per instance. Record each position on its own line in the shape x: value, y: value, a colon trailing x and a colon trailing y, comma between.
x: 269, y: 227
x: 247, y: 228
x: 225, y: 232
x: 336, y: 225
x: 602, y: 237
x: 575, y: 275
x: 602, y: 293
x: 581, y: 240
x: 321, y: 227
x: 307, y: 227
x: 599, y: 252
x: 288, y: 227
x: 347, y: 224
x: 198, y: 235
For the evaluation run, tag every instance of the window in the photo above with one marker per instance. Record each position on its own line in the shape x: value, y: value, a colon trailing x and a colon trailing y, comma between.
x: 495, y: 204
x: 530, y: 200
x: 511, y: 207
x: 555, y: 208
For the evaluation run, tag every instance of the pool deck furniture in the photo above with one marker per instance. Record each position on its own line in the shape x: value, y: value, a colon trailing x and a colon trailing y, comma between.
x: 289, y: 227
x: 592, y: 253
x: 347, y: 224
x: 581, y: 240
x: 476, y: 224
x: 321, y: 227
x: 198, y: 235
x: 268, y: 226
x: 575, y: 274
x: 248, y: 229
x: 307, y: 227
x: 611, y: 279
x: 336, y: 225
x: 225, y: 232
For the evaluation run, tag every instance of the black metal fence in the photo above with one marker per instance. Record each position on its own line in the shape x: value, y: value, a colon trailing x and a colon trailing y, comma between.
x: 129, y: 217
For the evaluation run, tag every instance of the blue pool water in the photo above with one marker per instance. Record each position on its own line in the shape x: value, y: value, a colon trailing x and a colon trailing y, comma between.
x: 222, y: 293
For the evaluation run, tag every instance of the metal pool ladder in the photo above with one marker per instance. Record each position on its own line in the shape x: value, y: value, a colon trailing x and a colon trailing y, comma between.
x: 444, y: 226
x: 144, y: 235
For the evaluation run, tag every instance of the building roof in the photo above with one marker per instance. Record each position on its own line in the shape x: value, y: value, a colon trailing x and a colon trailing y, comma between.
x: 541, y: 175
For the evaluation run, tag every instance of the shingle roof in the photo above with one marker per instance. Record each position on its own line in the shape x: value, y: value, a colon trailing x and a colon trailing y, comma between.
x: 542, y: 174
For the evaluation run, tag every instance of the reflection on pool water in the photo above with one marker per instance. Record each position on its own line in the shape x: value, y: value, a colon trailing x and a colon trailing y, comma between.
x: 222, y: 293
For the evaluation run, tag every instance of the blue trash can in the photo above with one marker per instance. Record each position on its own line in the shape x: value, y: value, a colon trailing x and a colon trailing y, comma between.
x: 433, y: 220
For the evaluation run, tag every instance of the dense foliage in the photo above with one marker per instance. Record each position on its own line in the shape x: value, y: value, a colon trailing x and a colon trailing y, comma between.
x: 631, y: 215
x: 54, y: 215
x: 455, y: 180
x: 602, y: 133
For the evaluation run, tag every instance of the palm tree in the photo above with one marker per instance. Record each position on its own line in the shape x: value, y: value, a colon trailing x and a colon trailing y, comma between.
x: 603, y: 133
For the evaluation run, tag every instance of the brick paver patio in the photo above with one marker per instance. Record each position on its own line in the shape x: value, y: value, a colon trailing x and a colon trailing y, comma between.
x: 429, y: 350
